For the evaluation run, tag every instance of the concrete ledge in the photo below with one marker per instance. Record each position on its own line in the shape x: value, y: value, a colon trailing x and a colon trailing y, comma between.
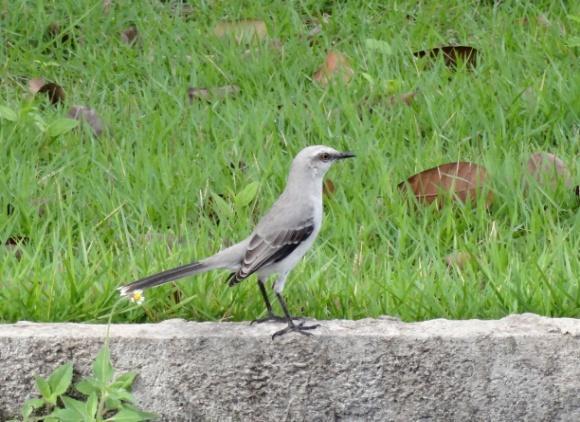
x: 522, y: 367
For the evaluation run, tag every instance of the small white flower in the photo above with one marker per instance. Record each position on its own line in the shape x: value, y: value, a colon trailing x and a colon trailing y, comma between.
x: 137, y: 297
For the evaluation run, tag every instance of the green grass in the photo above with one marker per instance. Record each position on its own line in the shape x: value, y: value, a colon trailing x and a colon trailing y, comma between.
x: 138, y: 201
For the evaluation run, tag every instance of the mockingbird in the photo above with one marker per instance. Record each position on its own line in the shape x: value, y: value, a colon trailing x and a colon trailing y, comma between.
x: 278, y: 242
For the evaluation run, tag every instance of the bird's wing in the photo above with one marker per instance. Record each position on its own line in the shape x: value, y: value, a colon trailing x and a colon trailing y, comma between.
x: 265, y: 249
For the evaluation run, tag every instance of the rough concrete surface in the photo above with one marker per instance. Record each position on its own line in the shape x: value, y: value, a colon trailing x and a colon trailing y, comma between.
x: 522, y: 367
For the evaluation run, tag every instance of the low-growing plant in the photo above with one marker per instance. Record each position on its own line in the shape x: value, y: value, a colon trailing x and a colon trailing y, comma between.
x: 106, y: 397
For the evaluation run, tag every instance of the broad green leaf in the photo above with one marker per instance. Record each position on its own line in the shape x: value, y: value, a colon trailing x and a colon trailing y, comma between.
x: 60, y: 379
x: 30, y: 406
x: 61, y: 126
x: 87, y: 386
x: 112, y: 404
x: 78, y: 406
x: 44, y: 390
x: 120, y: 394
x: 378, y: 45
x: 66, y: 415
x: 8, y: 114
x: 129, y: 414
x: 102, y: 367
x: 222, y: 207
x: 247, y: 195
x: 91, y: 405
x: 124, y: 380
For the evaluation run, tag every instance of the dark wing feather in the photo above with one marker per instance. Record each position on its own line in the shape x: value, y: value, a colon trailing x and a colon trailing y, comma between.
x: 269, y: 249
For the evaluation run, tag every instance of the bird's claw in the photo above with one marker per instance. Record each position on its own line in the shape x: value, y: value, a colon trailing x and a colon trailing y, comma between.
x: 300, y: 328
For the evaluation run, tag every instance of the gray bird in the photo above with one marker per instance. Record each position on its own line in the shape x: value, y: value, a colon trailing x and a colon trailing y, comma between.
x: 278, y: 242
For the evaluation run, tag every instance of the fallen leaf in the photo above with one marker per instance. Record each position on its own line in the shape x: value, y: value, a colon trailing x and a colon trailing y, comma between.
x: 335, y: 64
x: 34, y: 85
x: 215, y: 93
x: 549, y: 171
x: 328, y: 187
x: 463, y: 180
x: 129, y: 35
x: 243, y: 31
x: 89, y: 116
x: 452, y: 54
x: 458, y: 259
x: 54, y: 91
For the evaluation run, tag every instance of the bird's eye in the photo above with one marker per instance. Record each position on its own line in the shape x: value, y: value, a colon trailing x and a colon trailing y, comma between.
x: 325, y: 156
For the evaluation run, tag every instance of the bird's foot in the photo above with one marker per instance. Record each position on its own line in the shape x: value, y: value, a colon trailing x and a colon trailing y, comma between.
x: 272, y: 318
x: 300, y: 328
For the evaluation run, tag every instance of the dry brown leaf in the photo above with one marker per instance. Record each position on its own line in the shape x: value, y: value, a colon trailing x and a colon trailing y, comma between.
x: 54, y: 91
x: 458, y: 259
x: 328, y: 187
x: 129, y: 35
x: 463, y: 180
x: 215, y: 93
x: 35, y: 84
x: 243, y: 31
x: 549, y: 170
x: 88, y: 115
x: 335, y: 64
x: 452, y: 54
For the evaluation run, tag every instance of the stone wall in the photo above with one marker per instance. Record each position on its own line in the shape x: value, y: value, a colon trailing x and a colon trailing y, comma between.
x: 522, y: 367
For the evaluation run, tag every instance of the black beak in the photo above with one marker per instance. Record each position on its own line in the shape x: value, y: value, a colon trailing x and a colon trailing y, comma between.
x: 343, y: 155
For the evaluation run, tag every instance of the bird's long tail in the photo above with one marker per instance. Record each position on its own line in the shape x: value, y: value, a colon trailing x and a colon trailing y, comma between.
x: 229, y: 258
x: 165, y: 276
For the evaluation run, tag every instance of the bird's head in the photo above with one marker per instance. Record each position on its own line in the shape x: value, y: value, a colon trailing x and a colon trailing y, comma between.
x: 316, y: 160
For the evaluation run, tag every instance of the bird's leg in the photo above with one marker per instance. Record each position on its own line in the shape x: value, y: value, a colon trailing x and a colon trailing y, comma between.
x: 299, y: 328
x: 271, y: 316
